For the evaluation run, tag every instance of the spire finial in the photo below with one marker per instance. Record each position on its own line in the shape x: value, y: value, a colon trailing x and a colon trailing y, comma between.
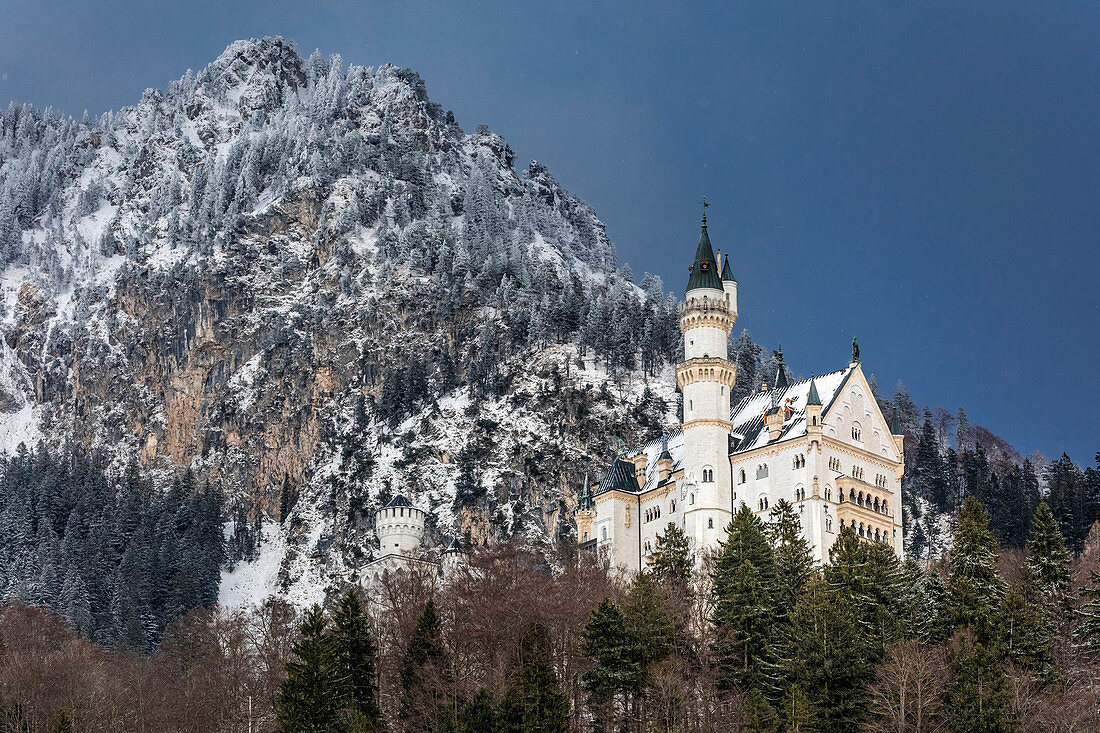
x: 705, y: 205
x: 855, y: 351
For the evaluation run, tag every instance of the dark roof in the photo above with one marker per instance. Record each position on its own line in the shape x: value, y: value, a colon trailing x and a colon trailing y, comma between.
x: 780, y: 381
x: 398, y: 500
x: 814, y: 398
x: 704, y: 273
x: 895, y: 424
x: 727, y: 271
x: 453, y: 547
x: 620, y: 476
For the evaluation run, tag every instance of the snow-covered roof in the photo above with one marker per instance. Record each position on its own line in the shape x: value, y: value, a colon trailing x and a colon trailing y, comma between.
x: 749, y: 429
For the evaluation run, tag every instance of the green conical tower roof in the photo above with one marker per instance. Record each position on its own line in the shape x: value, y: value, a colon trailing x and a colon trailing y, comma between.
x: 727, y: 271
x: 814, y: 398
x: 704, y: 273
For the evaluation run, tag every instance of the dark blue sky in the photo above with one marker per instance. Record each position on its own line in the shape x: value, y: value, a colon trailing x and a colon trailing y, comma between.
x: 923, y: 175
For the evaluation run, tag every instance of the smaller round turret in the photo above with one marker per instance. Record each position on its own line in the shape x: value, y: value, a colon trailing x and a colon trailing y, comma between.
x: 400, y: 527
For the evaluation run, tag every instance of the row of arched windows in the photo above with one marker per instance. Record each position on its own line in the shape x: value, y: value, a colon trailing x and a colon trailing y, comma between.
x: 857, y: 472
x: 763, y: 502
x: 800, y: 494
x: 880, y: 481
x: 868, y: 502
x: 879, y: 535
x: 834, y: 464
x: 652, y: 513
x: 800, y: 460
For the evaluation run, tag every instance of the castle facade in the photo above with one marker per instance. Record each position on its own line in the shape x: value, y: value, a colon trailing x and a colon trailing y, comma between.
x: 822, y: 444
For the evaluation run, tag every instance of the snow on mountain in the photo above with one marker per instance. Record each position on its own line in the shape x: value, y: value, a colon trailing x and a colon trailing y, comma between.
x: 306, y: 283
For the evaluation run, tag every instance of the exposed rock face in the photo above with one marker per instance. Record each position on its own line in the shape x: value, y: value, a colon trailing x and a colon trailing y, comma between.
x: 307, y: 283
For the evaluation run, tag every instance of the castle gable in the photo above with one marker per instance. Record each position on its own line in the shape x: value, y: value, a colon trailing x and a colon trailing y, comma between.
x: 854, y: 418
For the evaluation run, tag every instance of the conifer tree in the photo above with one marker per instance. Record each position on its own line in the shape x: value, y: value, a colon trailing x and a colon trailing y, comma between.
x: 651, y: 629
x: 1048, y: 562
x: 534, y: 700
x: 760, y: 716
x: 309, y: 698
x: 868, y: 574
x: 425, y: 674
x: 974, y: 590
x: 479, y: 714
x: 744, y: 594
x: 1024, y: 633
x: 977, y: 697
x: 828, y: 654
x: 1087, y: 633
x: 793, y: 558
x: 671, y: 561
x: 612, y: 677
x: 355, y: 652
x: 798, y: 713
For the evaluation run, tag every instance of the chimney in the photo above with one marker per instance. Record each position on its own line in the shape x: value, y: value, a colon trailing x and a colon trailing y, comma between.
x: 640, y: 461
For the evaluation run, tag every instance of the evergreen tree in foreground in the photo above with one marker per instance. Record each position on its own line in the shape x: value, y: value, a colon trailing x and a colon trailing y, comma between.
x: 425, y: 675
x: 978, y: 698
x: 355, y: 653
x: 309, y: 698
x: 611, y: 680
x: 744, y: 588
x: 671, y: 561
x: 1049, y: 562
x: 974, y: 590
x: 534, y: 701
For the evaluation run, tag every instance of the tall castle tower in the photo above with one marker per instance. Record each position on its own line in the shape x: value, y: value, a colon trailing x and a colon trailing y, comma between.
x: 706, y: 378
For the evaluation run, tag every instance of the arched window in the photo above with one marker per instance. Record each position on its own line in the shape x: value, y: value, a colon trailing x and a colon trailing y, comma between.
x: 708, y: 475
x: 691, y: 498
x: 672, y: 506
x: 861, y: 529
x: 828, y: 524
x: 710, y: 524
x: 762, y: 471
x: 603, y: 534
x: 741, y: 476
x: 876, y: 504
x: 647, y: 547
x: 828, y: 494
x: 815, y: 419
x: 586, y: 537
x: 857, y: 433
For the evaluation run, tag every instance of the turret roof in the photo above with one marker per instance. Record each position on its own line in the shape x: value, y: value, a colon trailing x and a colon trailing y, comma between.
x: 453, y: 547
x: 727, y: 271
x: 704, y: 273
x: 813, y: 398
x: 398, y: 500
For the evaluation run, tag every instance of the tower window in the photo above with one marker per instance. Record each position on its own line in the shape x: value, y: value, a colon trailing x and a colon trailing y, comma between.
x: 708, y: 475
x: 710, y: 524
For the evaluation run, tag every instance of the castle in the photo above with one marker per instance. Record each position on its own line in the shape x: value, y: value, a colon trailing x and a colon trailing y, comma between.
x: 399, y: 527
x: 822, y: 444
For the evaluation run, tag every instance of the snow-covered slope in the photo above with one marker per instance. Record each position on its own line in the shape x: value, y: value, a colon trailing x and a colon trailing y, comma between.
x: 307, y: 283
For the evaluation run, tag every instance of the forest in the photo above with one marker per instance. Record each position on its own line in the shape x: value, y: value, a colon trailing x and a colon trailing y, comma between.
x: 754, y: 638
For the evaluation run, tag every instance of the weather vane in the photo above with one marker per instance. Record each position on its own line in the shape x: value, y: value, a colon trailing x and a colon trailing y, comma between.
x: 705, y: 205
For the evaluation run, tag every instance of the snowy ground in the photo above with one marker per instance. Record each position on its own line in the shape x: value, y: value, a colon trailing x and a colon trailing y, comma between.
x: 251, y: 582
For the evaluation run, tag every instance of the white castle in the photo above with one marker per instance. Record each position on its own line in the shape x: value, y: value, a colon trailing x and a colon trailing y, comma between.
x: 822, y: 444
x: 399, y: 527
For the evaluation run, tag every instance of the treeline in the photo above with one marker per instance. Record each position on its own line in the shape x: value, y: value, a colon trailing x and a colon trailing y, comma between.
x: 119, y: 559
x: 947, y: 460
x: 757, y: 640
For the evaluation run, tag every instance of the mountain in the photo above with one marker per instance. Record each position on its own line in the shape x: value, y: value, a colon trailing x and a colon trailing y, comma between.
x: 305, y: 284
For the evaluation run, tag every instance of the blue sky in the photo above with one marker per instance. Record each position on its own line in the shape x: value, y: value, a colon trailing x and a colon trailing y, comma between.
x: 922, y: 175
